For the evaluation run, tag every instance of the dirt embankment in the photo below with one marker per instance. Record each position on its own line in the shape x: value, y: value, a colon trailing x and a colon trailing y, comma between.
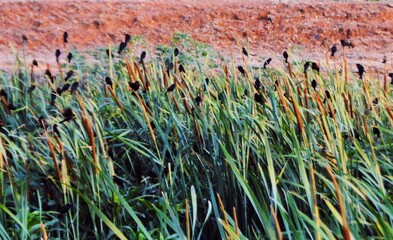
x: 268, y: 26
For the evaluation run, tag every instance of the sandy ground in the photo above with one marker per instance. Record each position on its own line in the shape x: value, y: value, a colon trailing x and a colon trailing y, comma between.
x: 267, y: 27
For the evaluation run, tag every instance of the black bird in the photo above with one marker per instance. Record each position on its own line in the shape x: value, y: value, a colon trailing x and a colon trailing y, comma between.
x: 360, y: 70
x: 65, y: 37
x: 65, y: 87
x: 2, y: 130
x: 122, y: 46
x: 31, y: 88
x: 134, y: 85
x: 74, y: 86
x: 347, y: 43
x: 67, y: 115
x: 11, y: 107
x: 206, y: 84
x: 257, y: 83
x: 285, y: 55
x: 24, y: 39
x: 69, y: 57
x: 198, y: 100
x: 258, y: 98
x: 181, y: 69
x: 376, y: 131
x: 42, y: 122
x: 241, y: 69
x: 375, y: 101
x: 315, y: 66
x: 391, y: 77
x: 35, y: 63
x: 176, y: 52
x: 127, y: 39
x: 53, y: 98
x: 168, y: 68
x: 49, y: 74
x: 56, y: 130
x: 267, y: 62
x: 59, y: 91
x: 306, y: 66
x: 244, y: 51
x: 222, y: 97
x: 245, y: 93
x: 143, y: 55
x: 108, y: 81
x: 57, y: 54
x: 69, y: 75
x: 107, y: 53
x: 333, y: 50
x: 3, y: 93
x: 276, y: 85
x: 64, y: 209
x: 314, y: 84
x: 327, y: 94
x: 171, y: 88
x: 384, y: 60
x: 118, y: 180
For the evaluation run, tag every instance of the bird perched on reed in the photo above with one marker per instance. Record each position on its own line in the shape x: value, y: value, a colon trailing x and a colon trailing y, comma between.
x: 285, y: 55
x: 333, y: 50
x: 65, y: 37
x: 361, y: 70
x: 57, y: 54
x: 244, y: 51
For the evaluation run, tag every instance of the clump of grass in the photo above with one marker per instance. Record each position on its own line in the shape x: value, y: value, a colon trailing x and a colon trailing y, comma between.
x: 192, y: 146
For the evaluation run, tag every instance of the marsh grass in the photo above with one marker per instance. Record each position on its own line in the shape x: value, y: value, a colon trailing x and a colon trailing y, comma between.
x: 153, y: 164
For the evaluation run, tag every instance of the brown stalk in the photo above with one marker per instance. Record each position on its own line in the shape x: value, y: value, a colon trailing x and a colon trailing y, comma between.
x: 212, y: 95
x: 350, y: 105
x: 345, y: 229
x: 65, y: 156
x: 53, y: 155
x: 346, y: 103
x: 5, y: 104
x: 44, y: 234
x: 188, y: 222
x: 321, y: 108
x: 131, y: 73
x: 298, y: 115
x: 236, y: 222
x: 145, y: 81
x: 345, y: 68
x: 307, y: 104
x: 299, y: 93
x: 114, y: 97
x: 60, y: 70
x: 390, y: 113
x: 183, y: 97
x: 282, y: 100
x: 89, y: 130
x: 331, y: 109
x: 223, y: 211
x: 165, y: 77
x: 365, y: 126
x: 90, y: 133
x: 276, y: 223
x: 290, y: 70
x: 145, y: 73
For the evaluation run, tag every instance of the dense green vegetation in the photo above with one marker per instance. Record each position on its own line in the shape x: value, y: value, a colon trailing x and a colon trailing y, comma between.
x: 233, y: 151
